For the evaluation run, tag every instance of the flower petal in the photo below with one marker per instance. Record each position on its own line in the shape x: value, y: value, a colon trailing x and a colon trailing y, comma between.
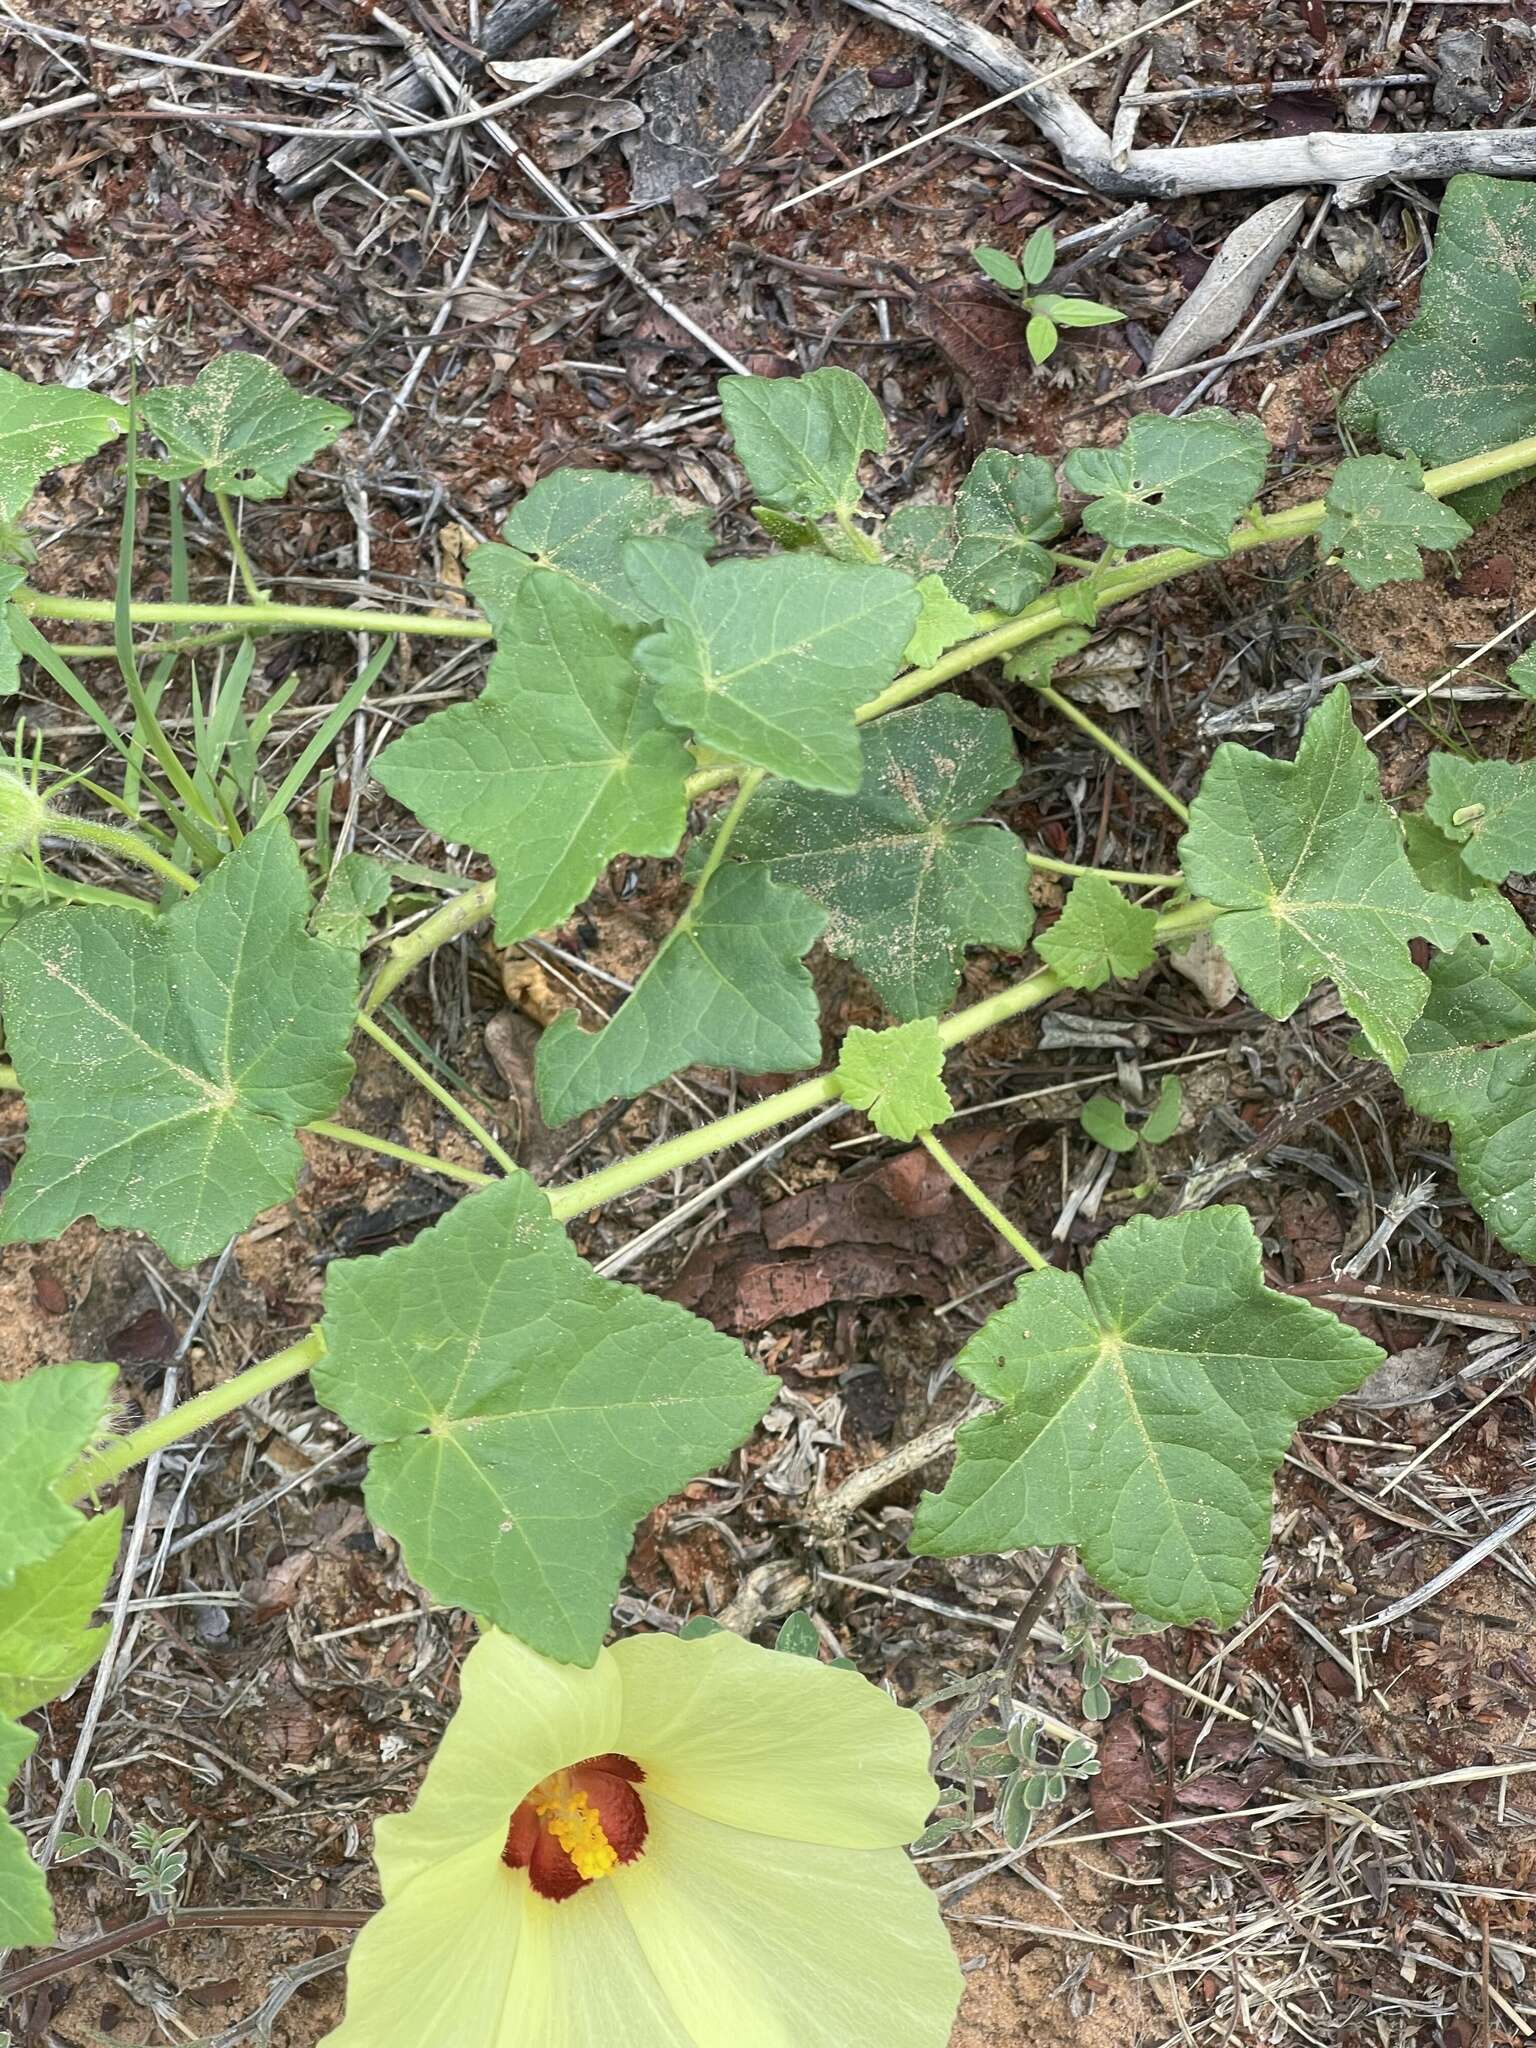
x: 435, y: 1966
x: 582, y: 1981
x: 775, y: 1743
x: 763, y: 1944
x: 520, y: 1717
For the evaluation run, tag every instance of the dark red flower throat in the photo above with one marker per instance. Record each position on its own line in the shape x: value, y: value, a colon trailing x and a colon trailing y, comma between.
x: 578, y: 1824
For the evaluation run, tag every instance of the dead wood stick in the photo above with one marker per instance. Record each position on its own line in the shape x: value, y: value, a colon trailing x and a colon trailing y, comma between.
x: 299, y: 165
x: 1085, y: 150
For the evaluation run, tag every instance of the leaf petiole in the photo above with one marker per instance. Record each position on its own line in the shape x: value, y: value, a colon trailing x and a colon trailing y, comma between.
x: 982, y: 1201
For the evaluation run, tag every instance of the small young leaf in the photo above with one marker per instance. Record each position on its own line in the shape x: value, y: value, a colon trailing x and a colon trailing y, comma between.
x: 999, y: 266
x: 920, y: 538
x: 43, y: 427
x: 46, y: 1422
x: 1039, y: 256
x: 561, y: 764
x: 1488, y: 808
x: 907, y: 880
x: 725, y: 989
x: 1472, y: 1063
x: 1003, y: 511
x: 356, y: 892
x: 895, y: 1077
x: 46, y: 1641
x: 26, y: 1918
x: 1462, y: 376
x: 167, y: 1061
x: 788, y: 532
x: 1099, y: 935
x: 1172, y: 483
x: 1163, y: 1117
x: 1106, y: 1123
x: 941, y: 624
x: 242, y: 424
x: 524, y: 1413
x: 71, y: 1846
x: 1040, y: 338
x: 699, y: 1625
x: 1522, y: 672
x: 800, y: 439
x: 1379, y: 516
x: 1075, y: 312
x: 1146, y: 1406
x: 1036, y: 662
x: 1310, y: 862
x: 798, y: 1637
x: 768, y: 660
x: 577, y: 523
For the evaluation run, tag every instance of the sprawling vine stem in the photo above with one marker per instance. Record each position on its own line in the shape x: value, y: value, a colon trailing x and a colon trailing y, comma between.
x: 592, y: 1192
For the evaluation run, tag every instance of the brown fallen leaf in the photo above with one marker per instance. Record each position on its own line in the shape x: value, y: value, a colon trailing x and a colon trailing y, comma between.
x: 979, y: 332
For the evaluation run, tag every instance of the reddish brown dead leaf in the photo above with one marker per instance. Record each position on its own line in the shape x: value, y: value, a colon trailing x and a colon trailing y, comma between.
x: 979, y: 331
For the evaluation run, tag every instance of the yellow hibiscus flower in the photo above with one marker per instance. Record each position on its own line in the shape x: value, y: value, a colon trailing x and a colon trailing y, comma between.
x: 690, y: 1845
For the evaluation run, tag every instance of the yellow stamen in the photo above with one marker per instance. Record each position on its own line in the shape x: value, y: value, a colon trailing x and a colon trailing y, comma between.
x: 571, y: 1818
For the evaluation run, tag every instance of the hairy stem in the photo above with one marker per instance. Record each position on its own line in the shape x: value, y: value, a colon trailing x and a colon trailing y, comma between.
x: 1113, y: 748
x: 253, y: 589
x: 253, y: 618
x: 426, y: 1162
x: 437, y: 1091
x: 457, y: 916
x: 97, y: 1471
x: 85, y: 831
x: 982, y: 1201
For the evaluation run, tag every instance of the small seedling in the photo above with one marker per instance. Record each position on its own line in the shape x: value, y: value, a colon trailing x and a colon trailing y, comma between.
x: 1046, y: 313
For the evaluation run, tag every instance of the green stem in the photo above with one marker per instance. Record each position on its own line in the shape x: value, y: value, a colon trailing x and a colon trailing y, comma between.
x: 253, y: 589
x: 866, y: 549
x: 253, y: 618
x: 457, y: 916
x: 1048, y: 866
x: 425, y: 1161
x: 725, y: 832
x: 97, y: 1471
x: 129, y: 845
x: 1113, y: 748
x: 438, y: 1092
x: 581, y: 1196
x: 982, y: 1201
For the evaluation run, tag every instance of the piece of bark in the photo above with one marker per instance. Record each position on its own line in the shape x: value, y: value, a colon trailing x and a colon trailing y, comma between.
x: 1084, y: 148
x: 1219, y: 301
x: 300, y: 164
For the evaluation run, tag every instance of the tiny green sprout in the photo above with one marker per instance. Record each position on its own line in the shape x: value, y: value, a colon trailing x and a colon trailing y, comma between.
x: 24, y: 812
x: 1107, y: 1124
x: 1048, y: 312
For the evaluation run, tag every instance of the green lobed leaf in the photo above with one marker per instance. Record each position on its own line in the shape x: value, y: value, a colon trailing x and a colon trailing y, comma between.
x: 1100, y: 935
x: 524, y: 1414
x: 1379, y: 516
x: 941, y: 624
x: 47, y: 1421
x: 768, y: 660
x: 920, y: 538
x: 1488, y: 810
x: 1438, y: 863
x: 725, y: 989
x: 26, y: 1918
x: 1145, y: 1409
x: 561, y: 764
x: 12, y: 576
x: 357, y: 890
x: 896, y: 1077
x: 1462, y: 376
x: 577, y: 523
x: 241, y: 424
x: 800, y: 439
x: 1310, y: 864
x: 906, y: 875
x: 1522, y: 672
x: 1472, y: 1063
x: 43, y: 427
x: 46, y: 1641
x: 1004, y: 510
x: 167, y: 1061
x: 1173, y: 483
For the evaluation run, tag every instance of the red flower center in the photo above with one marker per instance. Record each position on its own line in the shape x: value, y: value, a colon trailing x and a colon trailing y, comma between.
x: 578, y: 1824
